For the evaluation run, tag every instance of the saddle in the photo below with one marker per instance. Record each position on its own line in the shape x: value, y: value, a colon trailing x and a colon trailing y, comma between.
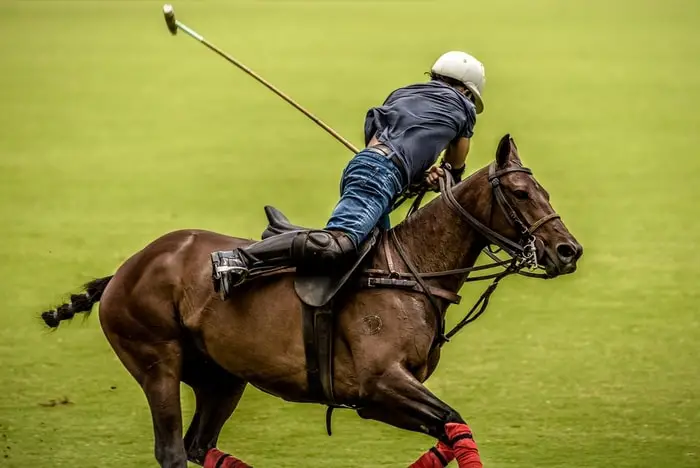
x: 318, y: 294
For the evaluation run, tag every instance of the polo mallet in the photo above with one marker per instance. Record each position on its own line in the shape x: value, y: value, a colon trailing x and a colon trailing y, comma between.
x: 174, y: 25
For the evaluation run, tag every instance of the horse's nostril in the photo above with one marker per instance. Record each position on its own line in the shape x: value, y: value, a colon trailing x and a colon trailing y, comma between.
x: 566, y: 252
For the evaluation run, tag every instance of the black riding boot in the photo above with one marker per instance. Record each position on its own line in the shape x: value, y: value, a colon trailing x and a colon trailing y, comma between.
x: 315, y: 250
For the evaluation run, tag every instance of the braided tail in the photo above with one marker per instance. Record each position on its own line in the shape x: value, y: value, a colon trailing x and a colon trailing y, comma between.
x: 78, y: 303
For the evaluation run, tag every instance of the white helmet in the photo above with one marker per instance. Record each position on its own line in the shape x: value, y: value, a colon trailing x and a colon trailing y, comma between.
x: 465, y: 69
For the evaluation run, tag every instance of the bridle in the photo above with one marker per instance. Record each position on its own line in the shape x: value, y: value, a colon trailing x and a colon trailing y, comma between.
x: 523, y: 253
x: 526, y: 232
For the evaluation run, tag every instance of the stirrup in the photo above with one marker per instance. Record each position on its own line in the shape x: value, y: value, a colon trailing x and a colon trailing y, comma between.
x: 224, y: 261
x: 230, y: 279
x: 228, y: 271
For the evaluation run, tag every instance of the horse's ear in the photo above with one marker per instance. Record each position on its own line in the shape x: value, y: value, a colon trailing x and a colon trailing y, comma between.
x: 514, y: 155
x: 504, y: 150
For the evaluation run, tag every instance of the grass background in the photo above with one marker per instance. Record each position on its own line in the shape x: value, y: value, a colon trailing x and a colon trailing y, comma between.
x: 113, y: 133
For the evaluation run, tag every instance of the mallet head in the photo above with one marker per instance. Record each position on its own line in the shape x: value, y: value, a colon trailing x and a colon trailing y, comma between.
x: 169, y: 14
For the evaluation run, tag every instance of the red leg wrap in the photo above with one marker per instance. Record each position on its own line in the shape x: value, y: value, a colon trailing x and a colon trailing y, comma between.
x: 437, y: 457
x: 217, y: 459
x: 463, y: 445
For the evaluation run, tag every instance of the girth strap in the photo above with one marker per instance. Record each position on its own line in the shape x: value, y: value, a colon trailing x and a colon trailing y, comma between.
x: 324, y: 347
x: 318, y: 328
x: 312, y: 362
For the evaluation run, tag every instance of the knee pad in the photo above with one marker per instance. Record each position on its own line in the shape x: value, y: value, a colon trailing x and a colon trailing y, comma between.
x: 320, y: 248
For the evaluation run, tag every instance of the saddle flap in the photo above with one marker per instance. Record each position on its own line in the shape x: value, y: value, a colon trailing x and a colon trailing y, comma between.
x: 318, y: 290
x: 277, y: 223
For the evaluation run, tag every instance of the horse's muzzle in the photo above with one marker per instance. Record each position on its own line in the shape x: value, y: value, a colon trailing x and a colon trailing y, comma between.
x: 562, y: 259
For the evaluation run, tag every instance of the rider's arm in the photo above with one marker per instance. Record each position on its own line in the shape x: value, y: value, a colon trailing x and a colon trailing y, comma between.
x: 456, y: 156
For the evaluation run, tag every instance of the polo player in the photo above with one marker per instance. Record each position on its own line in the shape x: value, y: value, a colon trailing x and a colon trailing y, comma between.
x: 404, y: 138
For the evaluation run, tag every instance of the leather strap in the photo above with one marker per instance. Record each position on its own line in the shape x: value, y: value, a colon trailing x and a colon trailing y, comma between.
x: 493, y: 173
x: 426, y: 290
x: 312, y: 365
x: 481, y: 305
x: 324, y: 328
x: 318, y: 332
x: 439, y: 274
x: 542, y: 222
x: 389, y: 258
x: 387, y: 152
x: 507, y: 208
x: 380, y: 148
x: 492, y: 236
x: 374, y: 282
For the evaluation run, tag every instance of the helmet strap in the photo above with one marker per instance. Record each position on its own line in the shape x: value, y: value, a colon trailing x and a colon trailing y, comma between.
x: 469, y: 95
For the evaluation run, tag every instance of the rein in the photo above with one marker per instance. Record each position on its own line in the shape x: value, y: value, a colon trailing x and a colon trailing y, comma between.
x: 523, y: 253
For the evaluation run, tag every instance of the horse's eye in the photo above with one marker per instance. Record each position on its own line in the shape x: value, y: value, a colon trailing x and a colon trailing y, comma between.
x: 521, y: 194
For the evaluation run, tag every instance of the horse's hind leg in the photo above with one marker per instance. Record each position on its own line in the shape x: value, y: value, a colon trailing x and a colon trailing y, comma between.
x: 162, y: 389
x: 215, y: 402
x: 160, y: 381
x: 156, y: 364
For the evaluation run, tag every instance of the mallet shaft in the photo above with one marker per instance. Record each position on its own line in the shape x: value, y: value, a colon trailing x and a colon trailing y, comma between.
x: 191, y: 32
x: 267, y: 84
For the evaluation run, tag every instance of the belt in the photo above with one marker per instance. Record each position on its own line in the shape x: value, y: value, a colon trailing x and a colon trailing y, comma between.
x: 385, y: 151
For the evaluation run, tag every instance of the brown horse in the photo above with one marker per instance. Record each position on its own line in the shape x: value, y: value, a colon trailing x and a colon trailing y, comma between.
x: 164, y: 320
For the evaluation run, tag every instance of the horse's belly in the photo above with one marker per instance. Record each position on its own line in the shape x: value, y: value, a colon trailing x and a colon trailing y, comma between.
x: 258, y: 337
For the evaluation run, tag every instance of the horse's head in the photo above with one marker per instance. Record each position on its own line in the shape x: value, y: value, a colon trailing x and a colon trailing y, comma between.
x: 521, y: 209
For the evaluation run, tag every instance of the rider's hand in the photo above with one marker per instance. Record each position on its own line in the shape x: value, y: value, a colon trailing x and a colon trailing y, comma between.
x: 433, y: 175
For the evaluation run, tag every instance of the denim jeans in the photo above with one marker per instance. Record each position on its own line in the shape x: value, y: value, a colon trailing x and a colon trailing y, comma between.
x: 369, y: 186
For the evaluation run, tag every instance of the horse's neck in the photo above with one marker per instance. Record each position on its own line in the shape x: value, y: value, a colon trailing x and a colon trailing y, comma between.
x: 438, y: 239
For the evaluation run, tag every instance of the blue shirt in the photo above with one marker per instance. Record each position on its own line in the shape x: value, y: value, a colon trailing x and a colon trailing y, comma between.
x: 419, y: 121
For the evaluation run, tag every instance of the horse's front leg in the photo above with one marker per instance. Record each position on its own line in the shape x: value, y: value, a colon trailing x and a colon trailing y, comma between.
x: 438, y: 456
x: 398, y: 398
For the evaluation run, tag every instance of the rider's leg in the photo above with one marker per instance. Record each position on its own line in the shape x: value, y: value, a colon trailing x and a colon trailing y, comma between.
x: 313, y: 249
x: 370, y: 183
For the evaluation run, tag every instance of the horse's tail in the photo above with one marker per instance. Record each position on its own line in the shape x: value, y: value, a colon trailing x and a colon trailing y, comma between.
x: 78, y: 303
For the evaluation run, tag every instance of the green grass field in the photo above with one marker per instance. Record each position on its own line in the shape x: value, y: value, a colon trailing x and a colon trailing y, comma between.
x: 113, y: 133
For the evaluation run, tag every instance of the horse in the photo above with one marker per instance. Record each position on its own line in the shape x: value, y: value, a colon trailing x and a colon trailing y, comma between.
x: 164, y: 320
